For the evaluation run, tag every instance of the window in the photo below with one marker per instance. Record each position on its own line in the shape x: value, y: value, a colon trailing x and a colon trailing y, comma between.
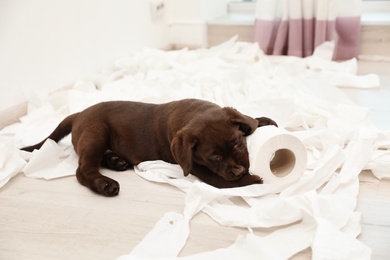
x: 369, y: 6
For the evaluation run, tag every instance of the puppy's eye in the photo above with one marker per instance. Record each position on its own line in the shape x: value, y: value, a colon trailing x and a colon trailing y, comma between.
x: 215, y: 157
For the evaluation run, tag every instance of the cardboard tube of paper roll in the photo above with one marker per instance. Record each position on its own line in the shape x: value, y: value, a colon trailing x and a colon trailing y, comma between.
x: 276, y: 155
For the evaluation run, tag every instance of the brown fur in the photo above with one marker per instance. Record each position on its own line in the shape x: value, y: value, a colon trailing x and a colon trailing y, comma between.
x: 203, y: 138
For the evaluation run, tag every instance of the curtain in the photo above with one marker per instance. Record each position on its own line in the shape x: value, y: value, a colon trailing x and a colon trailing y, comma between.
x: 296, y: 27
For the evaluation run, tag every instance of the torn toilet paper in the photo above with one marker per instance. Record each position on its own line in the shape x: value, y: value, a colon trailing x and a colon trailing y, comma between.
x: 316, y: 206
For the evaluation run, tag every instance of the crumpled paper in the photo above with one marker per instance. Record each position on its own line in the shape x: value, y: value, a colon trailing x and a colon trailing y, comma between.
x: 301, y: 94
x: 320, y: 215
x: 11, y: 160
x: 51, y: 162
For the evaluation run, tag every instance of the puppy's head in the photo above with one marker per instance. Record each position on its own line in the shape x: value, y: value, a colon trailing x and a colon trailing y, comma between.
x: 216, y: 141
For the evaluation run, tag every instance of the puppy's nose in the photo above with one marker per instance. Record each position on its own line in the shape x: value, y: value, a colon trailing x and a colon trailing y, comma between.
x: 238, y: 170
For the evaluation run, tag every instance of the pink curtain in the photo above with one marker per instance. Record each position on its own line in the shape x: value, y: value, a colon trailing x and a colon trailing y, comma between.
x: 296, y: 27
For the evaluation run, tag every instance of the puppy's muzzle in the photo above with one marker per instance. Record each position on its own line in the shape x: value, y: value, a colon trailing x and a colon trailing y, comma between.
x: 235, y: 173
x: 238, y: 170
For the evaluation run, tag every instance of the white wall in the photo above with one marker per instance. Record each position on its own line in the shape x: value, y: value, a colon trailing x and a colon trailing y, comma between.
x: 187, y: 20
x: 48, y: 44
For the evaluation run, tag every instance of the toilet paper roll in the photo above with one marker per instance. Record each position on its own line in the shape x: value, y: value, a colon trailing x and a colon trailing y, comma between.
x: 276, y: 155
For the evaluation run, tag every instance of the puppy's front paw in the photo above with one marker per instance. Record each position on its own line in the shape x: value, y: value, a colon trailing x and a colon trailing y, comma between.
x: 263, y: 121
x: 249, y: 179
x: 106, y: 186
x: 114, y: 162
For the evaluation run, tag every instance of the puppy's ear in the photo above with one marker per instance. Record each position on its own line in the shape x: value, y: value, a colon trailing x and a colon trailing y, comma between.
x: 182, y: 147
x: 246, y: 124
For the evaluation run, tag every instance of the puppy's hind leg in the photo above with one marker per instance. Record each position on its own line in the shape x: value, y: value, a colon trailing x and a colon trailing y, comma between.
x: 91, y: 151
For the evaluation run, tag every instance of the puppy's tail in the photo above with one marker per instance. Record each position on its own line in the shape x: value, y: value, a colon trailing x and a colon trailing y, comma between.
x: 62, y: 130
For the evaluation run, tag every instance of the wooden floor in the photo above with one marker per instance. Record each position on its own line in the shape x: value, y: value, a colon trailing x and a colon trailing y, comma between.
x: 374, y: 195
x: 60, y: 219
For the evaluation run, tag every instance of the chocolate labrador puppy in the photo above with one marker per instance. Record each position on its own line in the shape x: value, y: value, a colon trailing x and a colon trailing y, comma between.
x: 203, y: 138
